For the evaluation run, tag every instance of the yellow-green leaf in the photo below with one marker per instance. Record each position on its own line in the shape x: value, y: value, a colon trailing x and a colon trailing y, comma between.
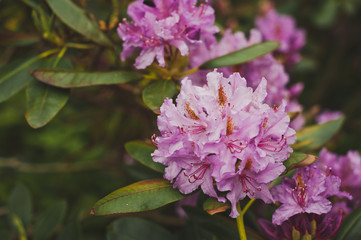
x: 141, y: 196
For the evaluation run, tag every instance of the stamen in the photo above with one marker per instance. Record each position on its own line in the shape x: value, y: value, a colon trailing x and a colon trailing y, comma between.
x: 193, y: 177
x: 194, y: 129
x: 299, y: 193
x: 236, y: 147
x: 230, y: 126
x: 264, y: 125
x: 247, y: 184
x: 273, y: 145
x: 191, y: 113
x: 154, y: 139
x: 222, y: 98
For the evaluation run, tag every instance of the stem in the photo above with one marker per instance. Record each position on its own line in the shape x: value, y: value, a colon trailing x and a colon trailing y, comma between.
x: 79, y: 45
x: 248, y: 205
x: 240, y: 223
x: 60, y: 56
x: 189, y: 72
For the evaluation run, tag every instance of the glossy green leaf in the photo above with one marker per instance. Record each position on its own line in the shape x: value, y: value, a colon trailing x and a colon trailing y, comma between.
x: 137, y: 229
x: 141, y: 196
x: 241, y: 56
x: 20, y: 204
x: 76, y: 18
x: 50, y: 220
x: 43, y: 102
x: 141, y: 151
x: 212, y: 206
x: 316, y: 136
x: 298, y: 160
x: 15, y: 76
x: 155, y: 93
x: 351, y: 226
x: 72, y: 79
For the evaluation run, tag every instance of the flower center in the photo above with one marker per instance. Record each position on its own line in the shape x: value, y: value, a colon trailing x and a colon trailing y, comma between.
x: 299, y: 193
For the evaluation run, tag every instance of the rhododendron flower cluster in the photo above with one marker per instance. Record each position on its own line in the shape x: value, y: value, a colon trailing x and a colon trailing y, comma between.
x: 282, y: 28
x: 306, y: 192
x: 178, y: 23
x: 223, y: 138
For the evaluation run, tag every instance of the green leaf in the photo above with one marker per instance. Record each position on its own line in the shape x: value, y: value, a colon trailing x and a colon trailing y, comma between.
x: 15, y: 76
x: 72, y: 79
x: 50, y: 220
x: 212, y: 206
x: 241, y: 56
x: 313, y: 137
x: 141, y: 196
x: 351, y: 226
x: 141, y: 151
x: 76, y: 18
x: 298, y: 160
x: 137, y: 229
x: 17, y: 39
x: 71, y: 231
x: 215, y: 224
x: 20, y: 204
x: 43, y: 102
x: 155, y: 93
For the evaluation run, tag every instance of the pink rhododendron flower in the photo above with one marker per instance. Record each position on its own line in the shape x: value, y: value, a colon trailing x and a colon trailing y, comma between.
x: 306, y: 192
x: 178, y: 23
x: 223, y: 137
x: 282, y: 28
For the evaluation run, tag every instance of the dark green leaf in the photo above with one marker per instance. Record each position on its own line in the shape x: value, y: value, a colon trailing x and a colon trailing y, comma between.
x: 141, y: 196
x: 43, y: 103
x: 137, y: 229
x: 76, y: 18
x: 20, y: 204
x: 71, y: 79
x: 241, y: 56
x: 17, y: 39
x: 351, y: 226
x: 214, y: 224
x: 316, y: 136
x: 155, y: 93
x: 71, y: 231
x: 15, y: 76
x: 50, y: 220
x: 141, y: 151
x: 212, y: 206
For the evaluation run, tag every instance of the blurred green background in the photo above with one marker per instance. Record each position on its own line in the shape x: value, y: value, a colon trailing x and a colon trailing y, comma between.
x: 79, y: 156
